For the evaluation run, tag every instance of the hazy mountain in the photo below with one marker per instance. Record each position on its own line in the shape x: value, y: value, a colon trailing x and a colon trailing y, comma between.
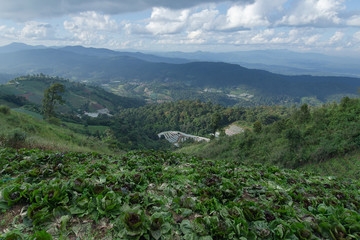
x: 14, y: 47
x: 103, y: 52
x: 280, y: 61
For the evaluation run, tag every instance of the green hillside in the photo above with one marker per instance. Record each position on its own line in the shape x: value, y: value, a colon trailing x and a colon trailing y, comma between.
x: 78, y: 97
x: 308, y: 136
x: 21, y: 130
x: 159, y: 195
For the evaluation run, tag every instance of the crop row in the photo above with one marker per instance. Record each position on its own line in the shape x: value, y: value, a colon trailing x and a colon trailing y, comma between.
x: 161, y: 195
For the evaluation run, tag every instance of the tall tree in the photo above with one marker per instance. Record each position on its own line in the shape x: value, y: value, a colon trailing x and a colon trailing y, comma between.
x: 52, y: 96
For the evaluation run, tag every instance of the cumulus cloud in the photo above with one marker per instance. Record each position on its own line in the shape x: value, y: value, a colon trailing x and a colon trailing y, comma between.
x: 314, y: 12
x: 336, y: 38
x: 252, y: 15
x: 91, y: 21
x: 356, y: 37
x: 354, y: 21
x: 7, y: 33
x: 91, y: 26
x: 205, y: 19
x: 37, y: 30
x: 26, y: 10
x: 166, y: 21
x: 263, y: 37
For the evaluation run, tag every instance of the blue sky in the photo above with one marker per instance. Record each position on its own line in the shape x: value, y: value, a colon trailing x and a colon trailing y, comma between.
x: 328, y: 26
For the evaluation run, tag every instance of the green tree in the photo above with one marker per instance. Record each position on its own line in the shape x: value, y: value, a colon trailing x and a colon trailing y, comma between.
x: 52, y: 96
x: 257, y: 127
x: 215, y: 122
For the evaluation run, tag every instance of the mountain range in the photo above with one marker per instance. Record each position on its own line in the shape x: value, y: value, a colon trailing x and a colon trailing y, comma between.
x: 165, y: 78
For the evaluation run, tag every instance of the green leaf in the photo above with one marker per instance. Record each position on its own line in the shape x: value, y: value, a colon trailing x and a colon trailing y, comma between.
x: 185, y: 227
x: 41, y: 235
x: 165, y: 228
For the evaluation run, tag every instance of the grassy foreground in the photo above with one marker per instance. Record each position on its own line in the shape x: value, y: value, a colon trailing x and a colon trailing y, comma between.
x: 160, y: 195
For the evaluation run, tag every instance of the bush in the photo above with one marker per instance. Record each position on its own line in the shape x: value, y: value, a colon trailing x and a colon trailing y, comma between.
x: 15, y: 138
x: 54, y: 120
x: 4, y: 109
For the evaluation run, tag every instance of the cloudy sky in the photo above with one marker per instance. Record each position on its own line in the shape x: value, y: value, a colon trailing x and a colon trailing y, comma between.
x: 330, y: 26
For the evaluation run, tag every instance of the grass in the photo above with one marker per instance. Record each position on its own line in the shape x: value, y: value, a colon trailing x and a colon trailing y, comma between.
x: 81, y: 128
x: 347, y: 166
x: 27, y: 112
x: 21, y: 130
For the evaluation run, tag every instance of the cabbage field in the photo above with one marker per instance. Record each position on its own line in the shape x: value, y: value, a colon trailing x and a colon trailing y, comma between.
x: 161, y: 195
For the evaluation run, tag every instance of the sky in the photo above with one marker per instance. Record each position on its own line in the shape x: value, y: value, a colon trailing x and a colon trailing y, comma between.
x: 327, y: 26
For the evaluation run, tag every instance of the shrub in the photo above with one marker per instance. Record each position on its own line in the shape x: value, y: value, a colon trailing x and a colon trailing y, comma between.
x: 15, y: 138
x: 54, y: 120
x: 4, y: 109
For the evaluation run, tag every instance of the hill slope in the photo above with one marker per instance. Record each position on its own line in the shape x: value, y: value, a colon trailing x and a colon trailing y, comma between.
x: 21, y: 130
x: 78, y: 97
x: 306, y: 137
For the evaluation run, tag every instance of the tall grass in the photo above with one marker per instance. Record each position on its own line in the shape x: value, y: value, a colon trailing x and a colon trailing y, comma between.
x: 347, y: 166
x: 19, y: 130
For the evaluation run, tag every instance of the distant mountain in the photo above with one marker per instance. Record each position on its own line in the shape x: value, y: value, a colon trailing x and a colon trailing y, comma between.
x: 279, y: 61
x: 103, y: 52
x: 219, y: 82
x: 14, y: 47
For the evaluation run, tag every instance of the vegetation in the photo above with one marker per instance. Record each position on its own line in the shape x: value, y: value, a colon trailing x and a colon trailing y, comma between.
x: 28, y: 92
x: 140, y: 126
x: 52, y: 96
x: 57, y: 181
x: 159, y: 195
x: 308, y: 136
x: 19, y: 130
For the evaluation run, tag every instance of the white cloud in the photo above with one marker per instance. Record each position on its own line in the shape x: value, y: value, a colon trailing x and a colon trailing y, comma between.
x: 91, y: 21
x: 315, y: 12
x: 91, y: 27
x: 205, y: 19
x: 37, y: 30
x: 354, y: 21
x: 7, y: 32
x: 166, y: 21
x: 263, y: 37
x: 252, y: 15
x: 21, y: 10
x: 356, y: 37
x: 336, y: 38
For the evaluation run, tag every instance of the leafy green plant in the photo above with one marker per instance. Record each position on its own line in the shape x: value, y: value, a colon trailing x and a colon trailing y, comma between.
x: 163, y: 195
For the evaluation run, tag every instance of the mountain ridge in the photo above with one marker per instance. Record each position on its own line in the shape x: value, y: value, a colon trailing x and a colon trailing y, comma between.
x: 157, y: 80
